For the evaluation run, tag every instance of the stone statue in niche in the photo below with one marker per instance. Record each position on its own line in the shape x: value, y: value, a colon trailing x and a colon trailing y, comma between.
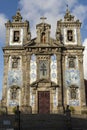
x: 43, y: 37
x: 15, y: 62
x: 72, y: 63
x: 59, y: 36
x: 73, y: 93
x: 13, y: 94
x: 28, y: 37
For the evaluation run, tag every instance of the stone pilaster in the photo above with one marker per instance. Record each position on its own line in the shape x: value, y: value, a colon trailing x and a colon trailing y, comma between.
x: 82, y: 86
x: 23, y: 99
x: 78, y: 36
x: 59, y: 75
x: 28, y: 79
x: 4, y: 91
x: 63, y: 81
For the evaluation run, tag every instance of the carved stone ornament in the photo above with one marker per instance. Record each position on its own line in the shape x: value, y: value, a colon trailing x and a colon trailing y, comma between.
x: 17, y: 17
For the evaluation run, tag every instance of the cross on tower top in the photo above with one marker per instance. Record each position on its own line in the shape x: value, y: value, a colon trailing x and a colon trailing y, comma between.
x: 43, y: 19
x: 67, y: 6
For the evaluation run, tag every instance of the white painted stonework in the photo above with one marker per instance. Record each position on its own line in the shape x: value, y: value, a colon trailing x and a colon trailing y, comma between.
x: 11, y: 37
x: 66, y: 42
x: 55, y: 98
x: 33, y: 69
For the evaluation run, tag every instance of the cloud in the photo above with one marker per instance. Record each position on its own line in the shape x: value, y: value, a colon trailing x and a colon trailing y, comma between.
x: 53, y: 10
x: 80, y: 12
x: 3, y: 20
x: 71, y: 2
x: 85, y: 58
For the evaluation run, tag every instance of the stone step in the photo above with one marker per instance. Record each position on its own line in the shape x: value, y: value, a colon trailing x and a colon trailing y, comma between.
x: 44, y: 122
x: 79, y: 123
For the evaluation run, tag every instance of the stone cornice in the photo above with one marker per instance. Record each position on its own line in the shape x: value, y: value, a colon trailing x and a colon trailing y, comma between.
x: 13, y: 48
x: 71, y: 24
x: 75, y: 47
x: 43, y: 50
x: 18, y: 24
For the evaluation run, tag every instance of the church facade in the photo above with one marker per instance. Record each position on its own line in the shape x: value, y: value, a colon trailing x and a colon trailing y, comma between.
x: 43, y: 74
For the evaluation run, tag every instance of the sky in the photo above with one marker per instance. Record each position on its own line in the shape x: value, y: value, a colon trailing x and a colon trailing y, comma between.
x: 32, y: 10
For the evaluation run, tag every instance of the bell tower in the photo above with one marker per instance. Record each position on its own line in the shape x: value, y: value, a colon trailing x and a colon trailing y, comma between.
x: 17, y: 35
x: 70, y: 30
x: 68, y: 34
x: 17, y: 31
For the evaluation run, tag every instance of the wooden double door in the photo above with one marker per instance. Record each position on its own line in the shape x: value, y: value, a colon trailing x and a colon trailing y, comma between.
x: 44, y: 102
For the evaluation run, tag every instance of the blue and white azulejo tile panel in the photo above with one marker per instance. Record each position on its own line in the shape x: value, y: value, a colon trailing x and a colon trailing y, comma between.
x: 53, y: 67
x: 72, y: 77
x: 14, y: 78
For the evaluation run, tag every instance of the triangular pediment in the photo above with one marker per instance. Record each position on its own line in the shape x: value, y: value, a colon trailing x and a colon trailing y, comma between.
x: 52, y: 43
x: 41, y: 25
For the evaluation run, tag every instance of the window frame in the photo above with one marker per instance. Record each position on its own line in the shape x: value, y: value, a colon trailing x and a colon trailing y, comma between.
x: 45, y: 62
x: 14, y: 33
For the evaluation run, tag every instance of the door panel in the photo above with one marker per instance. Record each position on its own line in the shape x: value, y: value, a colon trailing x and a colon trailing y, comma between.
x: 44, y: 102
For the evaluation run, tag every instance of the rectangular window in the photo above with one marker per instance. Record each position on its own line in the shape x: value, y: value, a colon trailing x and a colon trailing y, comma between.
x: 43, y: 68
x: 16, y: 36
x: 70, y: 35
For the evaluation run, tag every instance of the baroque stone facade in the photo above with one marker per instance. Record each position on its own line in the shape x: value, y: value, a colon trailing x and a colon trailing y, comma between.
x: 43, y: 74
